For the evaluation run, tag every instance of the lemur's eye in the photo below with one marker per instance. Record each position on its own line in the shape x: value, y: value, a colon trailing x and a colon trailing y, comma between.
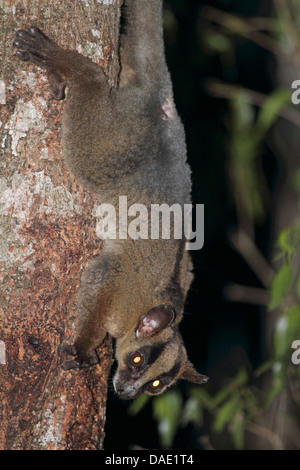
x: 136, y: 359
x: 155, y: 384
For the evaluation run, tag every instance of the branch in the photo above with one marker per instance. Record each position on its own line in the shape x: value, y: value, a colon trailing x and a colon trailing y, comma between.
x: 269, y: 436
x: 229, y: 91
x: 246, y: 294
x: 249, y: 251
x: 240, y: 26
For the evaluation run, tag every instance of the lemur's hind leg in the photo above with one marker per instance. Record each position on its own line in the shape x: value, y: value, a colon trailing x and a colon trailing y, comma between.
x: 34, y: 46
x: 63, y: 67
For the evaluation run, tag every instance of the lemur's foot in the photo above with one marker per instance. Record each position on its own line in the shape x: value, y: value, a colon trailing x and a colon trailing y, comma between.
x: 80, y: 361
x: 34, y: 46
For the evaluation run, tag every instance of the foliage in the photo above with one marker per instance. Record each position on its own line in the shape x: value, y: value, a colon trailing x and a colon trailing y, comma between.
x: 243, y: 399
x: 248, y: 130
x: 237, y: 404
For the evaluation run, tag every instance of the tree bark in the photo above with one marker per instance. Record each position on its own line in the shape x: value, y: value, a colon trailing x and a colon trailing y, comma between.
x: 47, y: 235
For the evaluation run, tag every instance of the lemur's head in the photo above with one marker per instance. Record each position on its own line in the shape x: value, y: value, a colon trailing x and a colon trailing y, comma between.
x: 152, y: 357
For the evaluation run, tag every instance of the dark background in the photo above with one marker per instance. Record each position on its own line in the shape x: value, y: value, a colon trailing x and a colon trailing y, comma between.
x: 219, y: 334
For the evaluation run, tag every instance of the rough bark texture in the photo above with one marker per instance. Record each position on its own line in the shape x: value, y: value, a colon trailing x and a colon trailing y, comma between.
x: 47, y: 235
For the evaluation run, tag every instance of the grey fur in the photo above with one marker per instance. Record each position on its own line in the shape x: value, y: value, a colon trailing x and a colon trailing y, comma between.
x: 126, y: 141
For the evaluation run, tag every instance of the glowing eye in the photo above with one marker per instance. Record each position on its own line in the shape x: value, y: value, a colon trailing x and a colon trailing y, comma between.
x: 155, y: 385
x: 136, y: 359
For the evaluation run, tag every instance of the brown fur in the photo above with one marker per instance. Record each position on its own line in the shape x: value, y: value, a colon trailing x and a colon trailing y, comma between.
x: 126, y: 141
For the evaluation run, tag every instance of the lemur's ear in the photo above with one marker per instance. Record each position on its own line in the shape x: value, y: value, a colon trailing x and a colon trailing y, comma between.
x: 190, y: 374
x: 155, y: 320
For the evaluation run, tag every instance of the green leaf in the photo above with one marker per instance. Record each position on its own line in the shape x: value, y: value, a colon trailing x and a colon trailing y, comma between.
x: 242, y: 123
x: 284, y: 242
x: 226, y: 413
x: 280, y: 337
x: 287, y: 328
x: 244, y: 147
x: 217, y: 42
x: 241, y: 378
x: 264, y: 367
x: 203, y: 396
x: 276, y: 386
x: 270, y: 109
x: 192, y: 412
x: 237, y: 430
x: 138, y: 404
x: 278, y: 382
x: 220, y: 396
x: 166, y: 410
x: 280, y: 285
x: 250, y: 403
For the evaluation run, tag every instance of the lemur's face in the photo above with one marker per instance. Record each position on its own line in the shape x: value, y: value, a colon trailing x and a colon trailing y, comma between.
x: 152, y: 357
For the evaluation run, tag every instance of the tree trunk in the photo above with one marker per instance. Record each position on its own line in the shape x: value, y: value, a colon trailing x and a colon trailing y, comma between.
x: 47, y: 235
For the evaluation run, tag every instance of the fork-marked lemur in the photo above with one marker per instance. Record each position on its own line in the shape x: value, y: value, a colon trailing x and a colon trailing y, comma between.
x: 126, y: 141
